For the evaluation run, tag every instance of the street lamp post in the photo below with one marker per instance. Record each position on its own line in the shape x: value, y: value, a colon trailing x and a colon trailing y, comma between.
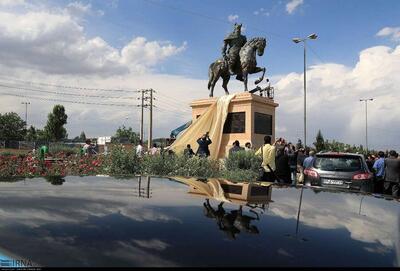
x: 366, y: 120
x: 297, y: 40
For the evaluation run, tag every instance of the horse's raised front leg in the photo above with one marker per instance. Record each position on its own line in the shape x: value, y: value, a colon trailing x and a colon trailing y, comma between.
x: 256, y: 70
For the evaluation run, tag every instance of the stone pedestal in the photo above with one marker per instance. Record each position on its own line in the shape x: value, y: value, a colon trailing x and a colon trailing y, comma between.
x: 241, y: 193
x: 250, y: 118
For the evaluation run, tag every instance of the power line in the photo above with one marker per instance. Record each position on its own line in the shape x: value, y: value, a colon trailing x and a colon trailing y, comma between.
x: 173, y: 100
x: 208, y: 17
x: 64, y: 101
x: 315, y: 53
x: 63, y: 93
x: 65, y: 86
x: 173, y: 106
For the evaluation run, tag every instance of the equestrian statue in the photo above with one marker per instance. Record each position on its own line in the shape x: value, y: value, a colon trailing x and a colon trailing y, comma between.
x: 239, y: 59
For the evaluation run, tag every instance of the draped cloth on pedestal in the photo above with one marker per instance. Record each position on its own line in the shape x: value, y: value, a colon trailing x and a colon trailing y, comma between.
x: 210, y: 189
x: 212, y: 121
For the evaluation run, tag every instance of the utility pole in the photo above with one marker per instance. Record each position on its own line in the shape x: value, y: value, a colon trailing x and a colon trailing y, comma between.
x: 150, y: 139
x: 147, y: 95
x: 141, y: 116
x: 26, y: 113
x: 366, y: 121
x: 150, y: 121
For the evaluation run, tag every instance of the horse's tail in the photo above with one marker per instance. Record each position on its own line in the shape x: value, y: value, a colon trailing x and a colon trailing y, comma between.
x: 211, y: 75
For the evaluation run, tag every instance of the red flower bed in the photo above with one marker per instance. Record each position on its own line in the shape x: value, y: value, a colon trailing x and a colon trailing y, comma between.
x: 59, y: 164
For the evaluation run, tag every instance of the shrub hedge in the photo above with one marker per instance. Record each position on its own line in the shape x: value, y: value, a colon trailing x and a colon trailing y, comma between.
x: 240, y: 166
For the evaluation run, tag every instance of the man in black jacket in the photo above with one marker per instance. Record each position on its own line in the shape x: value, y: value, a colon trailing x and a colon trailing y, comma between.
x: 282, y: 165
x: 392, y: 174
x: 204, y: 141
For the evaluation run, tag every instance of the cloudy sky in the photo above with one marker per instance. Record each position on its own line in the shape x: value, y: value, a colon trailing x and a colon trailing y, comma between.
x: 80, y: 53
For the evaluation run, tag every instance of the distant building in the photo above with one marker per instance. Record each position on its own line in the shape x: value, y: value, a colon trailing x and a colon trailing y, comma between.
x: 102, y: 140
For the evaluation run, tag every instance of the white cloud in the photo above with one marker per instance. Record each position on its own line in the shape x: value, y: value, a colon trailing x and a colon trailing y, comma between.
x: 142, y: 53
x: 79, y: 9
x: 56, y: 43
x: 50, y: 46
x: 261, y: 11
x: 113, y: 3
x: 333, y: 93
x: 233, y: 18
x: 392, y: 32
x: 11, y: 3
x: 293, y: 5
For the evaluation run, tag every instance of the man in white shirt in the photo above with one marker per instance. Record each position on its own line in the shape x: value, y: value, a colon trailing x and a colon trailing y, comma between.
x: 154, y: 150
x: 267, y: 152
x: 139, y: 149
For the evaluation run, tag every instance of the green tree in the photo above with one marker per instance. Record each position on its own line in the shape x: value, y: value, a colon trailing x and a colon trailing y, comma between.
x: 128, y: 133
x: 41, y: 135
x: 31, y: 134
x: 319, y: 142
x: 12, y: 127
x: 56, y: 120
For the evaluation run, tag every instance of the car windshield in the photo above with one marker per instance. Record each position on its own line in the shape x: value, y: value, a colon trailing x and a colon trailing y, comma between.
x: 338, y: 163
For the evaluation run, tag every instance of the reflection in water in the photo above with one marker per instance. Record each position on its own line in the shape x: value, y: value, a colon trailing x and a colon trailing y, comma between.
x: 143, y: 192
x: 96, y: 221
x: 359, y: 211
x: 55, y: 180
x: 231, y: 223
x: 235, y: 221
x: 296, y: 236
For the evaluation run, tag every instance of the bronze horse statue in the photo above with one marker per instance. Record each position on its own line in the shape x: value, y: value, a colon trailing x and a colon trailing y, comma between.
x: 247, y: 65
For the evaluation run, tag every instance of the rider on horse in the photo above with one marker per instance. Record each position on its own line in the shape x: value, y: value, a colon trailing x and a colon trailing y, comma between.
x: 235, y: 40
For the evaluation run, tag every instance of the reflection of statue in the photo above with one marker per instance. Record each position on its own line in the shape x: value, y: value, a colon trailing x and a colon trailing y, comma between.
x: 231, y: 223
x: 227, y: 225
x: 240, y: 59
x: 235, y: 41
x: 55, y: 180
x: 243, y: 222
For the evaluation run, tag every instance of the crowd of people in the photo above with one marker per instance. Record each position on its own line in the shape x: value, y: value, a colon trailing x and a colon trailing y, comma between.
x: 386, y: 168
x: 284, y: 162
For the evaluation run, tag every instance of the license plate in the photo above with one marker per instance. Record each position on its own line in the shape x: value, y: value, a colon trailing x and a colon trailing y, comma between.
x: 334, y: 182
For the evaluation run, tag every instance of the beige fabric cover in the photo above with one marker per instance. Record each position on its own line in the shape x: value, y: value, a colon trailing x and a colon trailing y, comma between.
x: 211, y: 121
x: 212, y: 188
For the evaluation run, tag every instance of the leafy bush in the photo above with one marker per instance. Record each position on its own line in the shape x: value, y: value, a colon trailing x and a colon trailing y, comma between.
x: 160, y: 165
x: 241, y: 166
x: 240, y: 175
x: 60, y: 148
x: 121, y: 161
x: 196, y: 166
x: 179, y: 165
x: 244, y: 160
